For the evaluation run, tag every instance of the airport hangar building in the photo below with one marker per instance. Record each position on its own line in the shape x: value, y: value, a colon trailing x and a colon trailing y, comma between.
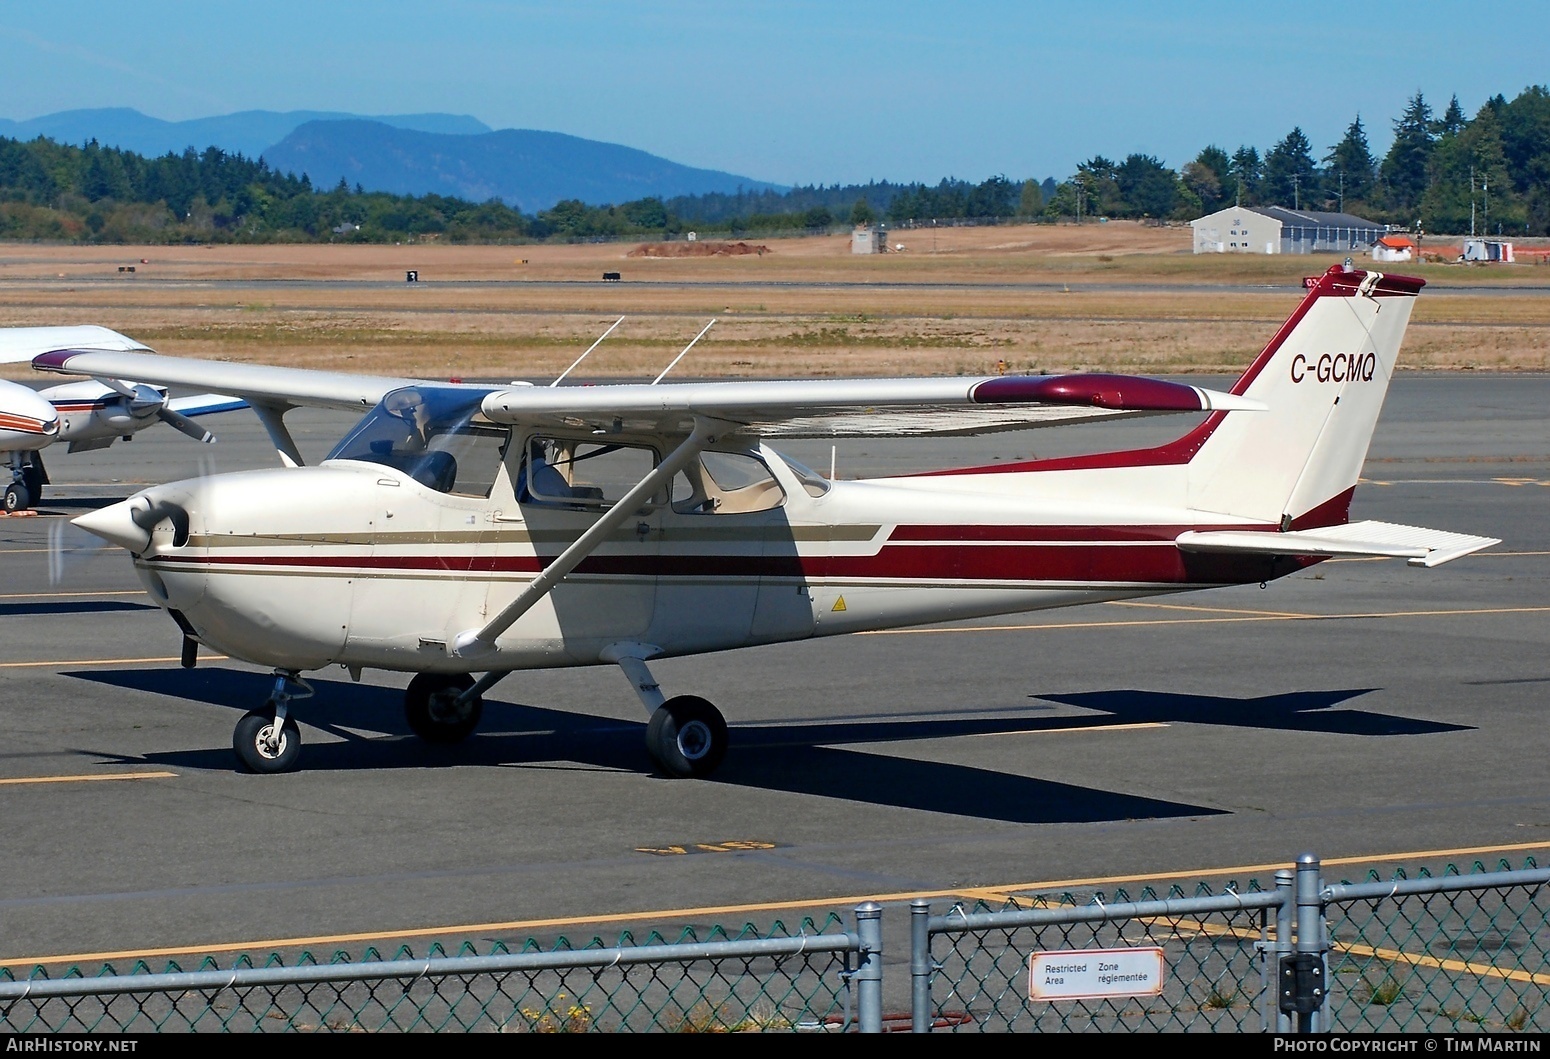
x: 1278, y: 230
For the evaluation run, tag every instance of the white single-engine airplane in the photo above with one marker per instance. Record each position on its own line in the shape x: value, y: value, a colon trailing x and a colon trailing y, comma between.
x: 477, y: 529
x: 85, y: 415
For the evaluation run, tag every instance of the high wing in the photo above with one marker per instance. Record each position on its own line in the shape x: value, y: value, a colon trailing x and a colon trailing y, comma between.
x: 800, y: 408
x: 855, y: 407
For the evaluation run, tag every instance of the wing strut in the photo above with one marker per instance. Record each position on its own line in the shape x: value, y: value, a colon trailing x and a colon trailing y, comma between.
x: 474, y: 642
x: 273, y: 418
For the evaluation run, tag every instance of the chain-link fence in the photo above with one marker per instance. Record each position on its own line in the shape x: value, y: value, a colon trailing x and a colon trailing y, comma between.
x: 1456, y: 953
x: 1459, y: 952
x: 775, y: 980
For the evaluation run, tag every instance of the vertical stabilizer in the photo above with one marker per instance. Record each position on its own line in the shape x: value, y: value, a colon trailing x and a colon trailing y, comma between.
x: 1323, y: 378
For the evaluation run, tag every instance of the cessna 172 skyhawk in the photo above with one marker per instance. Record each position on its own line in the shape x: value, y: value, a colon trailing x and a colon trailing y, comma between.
x: 85, y: 415
x: 476, y: 529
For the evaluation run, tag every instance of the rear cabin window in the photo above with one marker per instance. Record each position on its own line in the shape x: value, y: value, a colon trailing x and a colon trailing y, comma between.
x: 725, y: 483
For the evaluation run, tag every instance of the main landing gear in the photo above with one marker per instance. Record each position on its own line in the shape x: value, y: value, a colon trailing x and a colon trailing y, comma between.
x: 266, y: 740
x: 687, y: 736
x: 443, y: 707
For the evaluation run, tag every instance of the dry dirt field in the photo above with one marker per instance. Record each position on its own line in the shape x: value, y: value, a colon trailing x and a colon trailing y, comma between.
x: 1115, y: 297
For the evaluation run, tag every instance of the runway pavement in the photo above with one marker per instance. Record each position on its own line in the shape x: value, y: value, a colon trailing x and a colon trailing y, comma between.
x: 1364, y: 710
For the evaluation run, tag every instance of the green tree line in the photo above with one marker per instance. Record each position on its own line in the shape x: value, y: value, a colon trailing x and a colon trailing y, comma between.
x: 1449, y: 173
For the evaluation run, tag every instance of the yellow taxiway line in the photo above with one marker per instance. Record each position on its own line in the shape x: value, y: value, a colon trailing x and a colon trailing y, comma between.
x: 1233, y: 616
x: 1001, y: 893
x: 71, y: 663
x: 89, y: 777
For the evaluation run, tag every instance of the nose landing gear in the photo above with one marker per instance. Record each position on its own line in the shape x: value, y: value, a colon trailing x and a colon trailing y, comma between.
x: 266, y: 740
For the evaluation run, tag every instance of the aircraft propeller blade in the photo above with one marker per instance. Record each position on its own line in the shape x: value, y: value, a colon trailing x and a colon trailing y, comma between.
x: 185, y: 424
x: 69, y: 547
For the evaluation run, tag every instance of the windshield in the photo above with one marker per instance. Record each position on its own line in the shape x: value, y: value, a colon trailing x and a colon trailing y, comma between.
x: 435, y: 435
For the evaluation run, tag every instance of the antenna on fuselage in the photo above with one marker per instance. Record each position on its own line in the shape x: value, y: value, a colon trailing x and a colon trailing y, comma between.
x: 680, y: 356
x: 590, y: 348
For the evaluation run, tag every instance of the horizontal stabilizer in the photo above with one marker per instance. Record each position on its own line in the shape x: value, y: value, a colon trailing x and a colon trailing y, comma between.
x: 1418, y: 545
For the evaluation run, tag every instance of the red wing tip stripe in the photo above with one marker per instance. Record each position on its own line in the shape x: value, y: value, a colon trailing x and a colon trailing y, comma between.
x: 1117, y: 392
x: 57, y: 358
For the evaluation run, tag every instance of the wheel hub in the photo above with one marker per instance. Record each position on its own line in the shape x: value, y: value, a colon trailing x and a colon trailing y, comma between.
x: 694, y: 740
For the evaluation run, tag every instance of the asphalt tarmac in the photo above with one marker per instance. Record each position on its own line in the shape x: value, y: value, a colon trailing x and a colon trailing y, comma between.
x: 1371, y: 713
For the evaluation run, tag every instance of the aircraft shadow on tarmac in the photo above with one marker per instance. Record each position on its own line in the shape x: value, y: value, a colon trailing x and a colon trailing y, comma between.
x: 800, y: 759
x: 1301, y: 711
x: 83, y: 606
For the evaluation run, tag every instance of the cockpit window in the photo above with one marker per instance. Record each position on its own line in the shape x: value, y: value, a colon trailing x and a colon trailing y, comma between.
x: 438, y: 437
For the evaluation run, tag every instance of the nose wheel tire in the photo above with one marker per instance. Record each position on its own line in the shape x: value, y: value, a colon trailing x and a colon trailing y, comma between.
x: 260, y: 748
x: 432, y: 709
x: 687, y: 737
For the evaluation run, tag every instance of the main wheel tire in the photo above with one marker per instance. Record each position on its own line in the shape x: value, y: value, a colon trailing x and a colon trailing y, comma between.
x: 16, y: 497
x: 687, y: 737
x: 250, y: 741
x: 430, y: 710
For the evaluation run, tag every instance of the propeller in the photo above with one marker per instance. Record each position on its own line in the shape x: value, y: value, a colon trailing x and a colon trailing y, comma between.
x: 179, y: 421
x: 142, y: 400
x: 69, y: 548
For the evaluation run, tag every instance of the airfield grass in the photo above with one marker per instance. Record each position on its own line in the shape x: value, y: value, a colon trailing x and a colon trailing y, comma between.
x: 1112, y: 297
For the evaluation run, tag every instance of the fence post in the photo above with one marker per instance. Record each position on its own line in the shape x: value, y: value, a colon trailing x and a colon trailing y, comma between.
x: 869, y: 972
x: 1285, y: 916
x: 1310, y: 937
x: 920, y: 966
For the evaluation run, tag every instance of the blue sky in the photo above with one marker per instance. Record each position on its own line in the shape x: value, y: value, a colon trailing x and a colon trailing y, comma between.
x: 797, y: 92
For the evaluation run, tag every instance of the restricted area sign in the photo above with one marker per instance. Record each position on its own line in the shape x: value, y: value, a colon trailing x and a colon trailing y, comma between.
x: 1092, y: 974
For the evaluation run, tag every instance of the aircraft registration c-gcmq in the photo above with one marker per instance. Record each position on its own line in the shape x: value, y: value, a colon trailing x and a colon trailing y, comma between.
x: 463, y: 532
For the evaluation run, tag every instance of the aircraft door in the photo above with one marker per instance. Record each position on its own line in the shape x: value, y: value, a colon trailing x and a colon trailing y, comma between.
x: 433, y: 547
x: 563, y: 486
x: 730, y: 570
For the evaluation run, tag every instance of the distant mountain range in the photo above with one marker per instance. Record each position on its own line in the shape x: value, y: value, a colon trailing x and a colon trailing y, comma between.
x: 248, y: 133
x: 407, y: 154
x: 524, y: 168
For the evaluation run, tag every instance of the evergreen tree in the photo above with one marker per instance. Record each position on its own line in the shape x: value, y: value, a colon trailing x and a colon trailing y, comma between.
x: 1290, y: 177
x: 1247, y: 172
x: 1031, y: 200
x: 1403, y: 172
x: 1350, y: 167
x: 1468, y: 188
x: 1209, y: 177
x: 1453, y: 120
x: 1098, y: 189
x: 1525, y: 132
x: 1148, y: 188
